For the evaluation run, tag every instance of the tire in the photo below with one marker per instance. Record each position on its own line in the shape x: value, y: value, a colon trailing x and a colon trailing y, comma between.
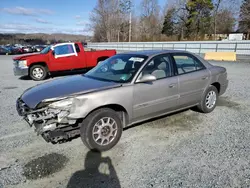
x: 205, y: 106
x: 89, y: 126
x: 38, y: 72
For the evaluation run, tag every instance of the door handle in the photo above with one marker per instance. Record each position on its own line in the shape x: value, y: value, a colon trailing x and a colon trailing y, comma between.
x: 204, y: 78
x: 171, y: 85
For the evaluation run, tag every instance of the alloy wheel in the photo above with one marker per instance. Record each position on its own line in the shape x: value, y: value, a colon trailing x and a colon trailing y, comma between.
x: 105, y: 131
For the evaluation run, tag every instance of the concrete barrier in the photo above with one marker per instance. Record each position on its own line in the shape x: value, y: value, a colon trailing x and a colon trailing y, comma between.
x: 220, y: 56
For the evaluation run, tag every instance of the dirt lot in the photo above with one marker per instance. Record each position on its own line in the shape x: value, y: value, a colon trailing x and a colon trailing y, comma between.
x: 187, y: 149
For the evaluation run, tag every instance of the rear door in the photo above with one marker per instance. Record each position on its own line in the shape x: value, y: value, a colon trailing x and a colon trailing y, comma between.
x: 193, y: 78
x: 63, y: 57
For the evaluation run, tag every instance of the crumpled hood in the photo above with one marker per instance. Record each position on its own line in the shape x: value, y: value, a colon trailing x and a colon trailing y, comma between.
x: 23, y: 57
x: 63, y: 87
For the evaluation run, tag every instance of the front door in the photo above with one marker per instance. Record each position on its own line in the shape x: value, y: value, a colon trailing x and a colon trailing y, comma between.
x: 193, y: 78
x: 63, y: 57
x: 157, y: 97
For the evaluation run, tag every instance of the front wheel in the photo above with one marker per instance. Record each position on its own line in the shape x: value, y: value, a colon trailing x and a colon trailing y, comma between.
x: 209, y: 100
x: 38, y: 72
x: 101, y: 130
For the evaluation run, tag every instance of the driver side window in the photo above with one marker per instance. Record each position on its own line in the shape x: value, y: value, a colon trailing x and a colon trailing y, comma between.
x: 159, y: 66
x: 64, y: 50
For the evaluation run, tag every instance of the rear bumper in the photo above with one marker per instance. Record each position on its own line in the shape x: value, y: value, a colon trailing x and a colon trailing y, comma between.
x: 223, y: 88
x: 21, y: 71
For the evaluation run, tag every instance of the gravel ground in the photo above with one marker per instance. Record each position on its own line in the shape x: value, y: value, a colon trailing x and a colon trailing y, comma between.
x: 187, y: 149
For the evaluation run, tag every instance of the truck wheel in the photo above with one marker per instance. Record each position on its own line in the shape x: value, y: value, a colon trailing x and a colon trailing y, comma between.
x: 38, y: 72
x: 209, y: 100
x: 101, y: 130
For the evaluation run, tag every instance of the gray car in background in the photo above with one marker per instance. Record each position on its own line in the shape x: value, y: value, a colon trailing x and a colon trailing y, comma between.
x: 123, y: 90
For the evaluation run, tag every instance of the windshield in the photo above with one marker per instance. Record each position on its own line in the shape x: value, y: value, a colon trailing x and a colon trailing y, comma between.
x: 119, y: 68
x: 45, y: 50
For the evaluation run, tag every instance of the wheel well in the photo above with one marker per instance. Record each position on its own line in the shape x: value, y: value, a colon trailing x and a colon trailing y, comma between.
x: 217, y: 85
x: 38, y: 63
x: 122, y: 112
x: 101, y: 58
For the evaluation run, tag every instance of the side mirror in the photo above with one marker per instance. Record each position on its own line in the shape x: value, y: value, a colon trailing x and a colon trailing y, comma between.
x: 53, y: 52
x: 146, y: 78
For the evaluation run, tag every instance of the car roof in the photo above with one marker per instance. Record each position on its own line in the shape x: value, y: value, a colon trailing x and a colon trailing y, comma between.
x: 154, y: 52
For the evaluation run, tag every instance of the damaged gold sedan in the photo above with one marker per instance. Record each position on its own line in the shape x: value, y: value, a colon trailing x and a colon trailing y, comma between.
x: 120, y: 91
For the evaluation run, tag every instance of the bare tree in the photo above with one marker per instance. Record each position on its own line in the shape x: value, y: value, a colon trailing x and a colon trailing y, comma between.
x: 222, y: 7
x: 192, y: 19
x: 225, y: 21
x: 244, y: 23
x: 125, y: 8
x: 216, y: 8
x: 110, y: 20
x: 150, y: 24
x: 99, y: 23
x: 104, y: 20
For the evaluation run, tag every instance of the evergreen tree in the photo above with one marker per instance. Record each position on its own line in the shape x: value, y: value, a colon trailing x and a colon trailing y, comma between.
x: 244, y: 23
x: 168, y: 25
x: 199, y: 17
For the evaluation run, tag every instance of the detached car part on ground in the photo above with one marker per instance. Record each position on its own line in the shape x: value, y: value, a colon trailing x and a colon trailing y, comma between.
x: 120, y: 91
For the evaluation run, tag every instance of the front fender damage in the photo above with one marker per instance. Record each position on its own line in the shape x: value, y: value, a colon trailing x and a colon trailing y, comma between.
x: 48, y: 119
x: 57, y: 125
x: 80, y: 108
x: 58, y: 119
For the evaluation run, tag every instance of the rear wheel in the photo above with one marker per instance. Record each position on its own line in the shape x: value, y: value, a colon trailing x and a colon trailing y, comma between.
x: 101, y: 130
x: 38, y: 72
x: 209, y: 100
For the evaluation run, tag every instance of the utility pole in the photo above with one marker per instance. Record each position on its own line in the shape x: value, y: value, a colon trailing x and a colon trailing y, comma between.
x: 118, y: 33
x: 118, y: 38
x: 130, y: 21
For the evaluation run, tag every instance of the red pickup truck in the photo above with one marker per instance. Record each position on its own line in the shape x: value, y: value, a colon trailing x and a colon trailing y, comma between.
x: 59, y: 57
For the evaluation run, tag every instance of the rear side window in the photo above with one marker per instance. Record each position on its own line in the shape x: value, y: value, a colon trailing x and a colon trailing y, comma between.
x: 64, y: 49
x: 186, y: 64
x: 77, y: 48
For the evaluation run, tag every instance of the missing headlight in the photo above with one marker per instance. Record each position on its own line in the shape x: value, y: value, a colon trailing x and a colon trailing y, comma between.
x: 63, y: 104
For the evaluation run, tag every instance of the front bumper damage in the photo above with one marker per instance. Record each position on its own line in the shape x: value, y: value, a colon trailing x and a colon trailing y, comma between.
x: 52, y: 124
